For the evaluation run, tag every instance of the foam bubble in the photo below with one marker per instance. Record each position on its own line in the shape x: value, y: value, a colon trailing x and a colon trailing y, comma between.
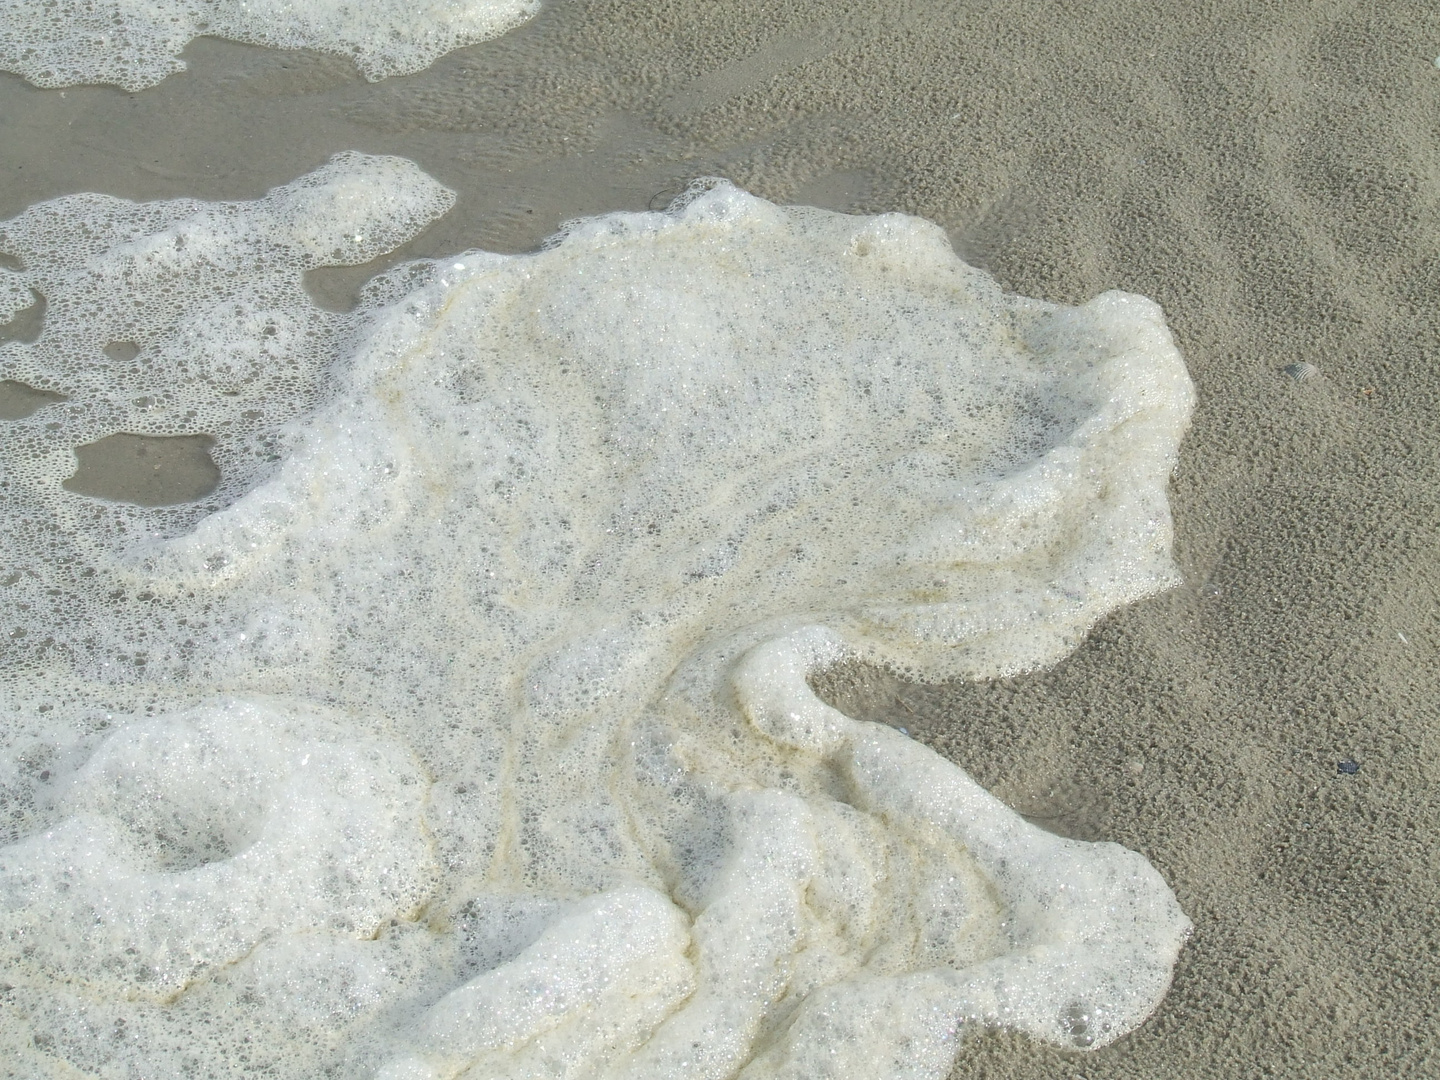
x: 166, y: 320
x: 575, y: 529
x: 137, y: 43
x: 186, y: 840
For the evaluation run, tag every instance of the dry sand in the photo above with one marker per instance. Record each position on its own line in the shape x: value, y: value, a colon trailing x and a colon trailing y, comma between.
x: 1269, y: 172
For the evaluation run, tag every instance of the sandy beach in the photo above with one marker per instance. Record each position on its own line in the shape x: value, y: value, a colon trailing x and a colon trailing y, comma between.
x: 1269, y: 173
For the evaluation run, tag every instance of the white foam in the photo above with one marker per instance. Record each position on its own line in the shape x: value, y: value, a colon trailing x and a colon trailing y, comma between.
x: 210, y: 299
x: 575, y: 528
x: 188, y: 839
x: 134, y: 44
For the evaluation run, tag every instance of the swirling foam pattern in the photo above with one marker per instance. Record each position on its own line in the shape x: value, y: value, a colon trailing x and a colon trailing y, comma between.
x: 518, y: 771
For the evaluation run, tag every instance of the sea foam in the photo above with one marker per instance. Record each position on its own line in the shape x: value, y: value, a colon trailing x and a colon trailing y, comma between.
x: 474, y: 736
x: 134, y: 44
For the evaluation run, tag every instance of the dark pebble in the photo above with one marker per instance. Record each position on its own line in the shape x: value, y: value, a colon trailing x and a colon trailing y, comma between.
x: 1349, y: 766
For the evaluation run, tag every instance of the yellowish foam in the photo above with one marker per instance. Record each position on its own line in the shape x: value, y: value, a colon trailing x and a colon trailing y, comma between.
x: 517, y: 770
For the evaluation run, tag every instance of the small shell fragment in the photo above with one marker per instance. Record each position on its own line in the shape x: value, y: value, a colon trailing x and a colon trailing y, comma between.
x: 1301, y: 371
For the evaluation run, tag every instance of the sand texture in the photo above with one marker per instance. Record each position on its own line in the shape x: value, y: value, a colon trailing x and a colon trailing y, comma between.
x: 1269, y: 172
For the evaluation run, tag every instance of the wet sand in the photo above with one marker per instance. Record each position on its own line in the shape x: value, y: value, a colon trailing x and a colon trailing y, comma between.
x: 1269, y: 172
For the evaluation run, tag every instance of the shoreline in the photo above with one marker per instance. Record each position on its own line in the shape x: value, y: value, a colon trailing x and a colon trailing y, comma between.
x: 1271, y: 178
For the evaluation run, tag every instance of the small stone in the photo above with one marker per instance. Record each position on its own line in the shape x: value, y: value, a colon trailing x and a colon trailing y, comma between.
x: 1135, y: 766
x: 1348, y: 766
